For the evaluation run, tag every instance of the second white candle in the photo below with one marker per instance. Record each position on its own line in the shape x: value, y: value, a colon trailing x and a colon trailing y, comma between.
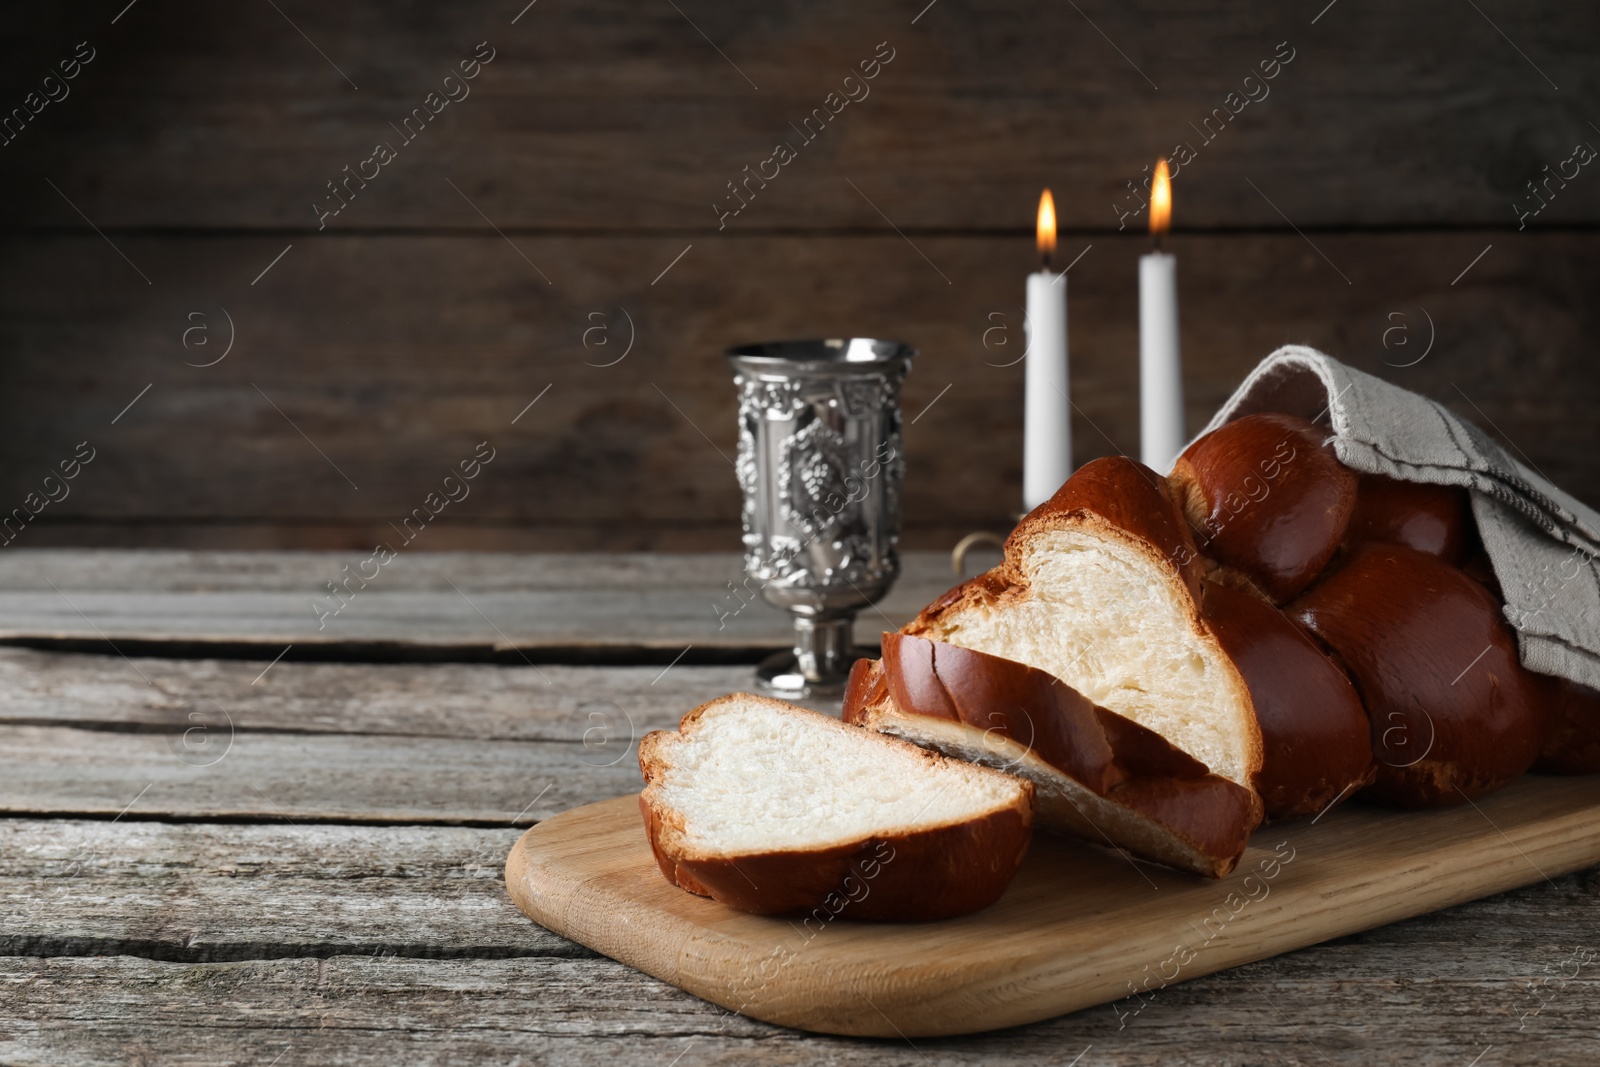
x: 1161, y: 429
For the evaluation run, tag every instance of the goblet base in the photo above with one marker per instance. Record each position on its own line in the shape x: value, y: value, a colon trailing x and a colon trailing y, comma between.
x: 780, y: 675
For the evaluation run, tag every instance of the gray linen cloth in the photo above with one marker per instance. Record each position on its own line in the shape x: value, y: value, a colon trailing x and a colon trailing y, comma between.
x: 1544, y: 544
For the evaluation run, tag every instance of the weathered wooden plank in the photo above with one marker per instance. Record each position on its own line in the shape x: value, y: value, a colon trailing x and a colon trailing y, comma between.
x: 472, y: 603
x: 386, y: 743
x: 193, y: 892
x: 342, y: 341
x: 211, y: 892
x: 270, y: 776
x: 1394, y: 1009
x: 210, y: 697
x: 607, y: 116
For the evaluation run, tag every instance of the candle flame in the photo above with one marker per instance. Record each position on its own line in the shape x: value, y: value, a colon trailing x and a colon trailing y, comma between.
x: 1047, y: 227
x: 1160, y: 201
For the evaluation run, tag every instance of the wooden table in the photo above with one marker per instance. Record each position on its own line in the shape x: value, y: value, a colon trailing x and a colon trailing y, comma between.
x: 210, y: 857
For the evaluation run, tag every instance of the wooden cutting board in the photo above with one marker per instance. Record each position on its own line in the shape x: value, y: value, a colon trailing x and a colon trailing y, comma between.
x: 1080, y: 926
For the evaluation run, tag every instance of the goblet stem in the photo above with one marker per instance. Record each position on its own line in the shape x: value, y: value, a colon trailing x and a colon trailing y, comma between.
x: 824, y: 648
x: 819, y: 664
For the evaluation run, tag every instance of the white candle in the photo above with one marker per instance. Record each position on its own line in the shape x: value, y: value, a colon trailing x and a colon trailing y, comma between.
x: 1161, y: 432
x: 1047, y: 416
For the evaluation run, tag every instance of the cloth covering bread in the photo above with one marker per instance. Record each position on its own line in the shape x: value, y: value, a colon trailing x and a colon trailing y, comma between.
x: 1542, y: 543
x: 771, y: 808
x: 1376, y: 565
x: 1097, y: 775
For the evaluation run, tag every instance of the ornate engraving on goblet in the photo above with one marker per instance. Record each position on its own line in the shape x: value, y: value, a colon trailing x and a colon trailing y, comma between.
x: 821, y: 465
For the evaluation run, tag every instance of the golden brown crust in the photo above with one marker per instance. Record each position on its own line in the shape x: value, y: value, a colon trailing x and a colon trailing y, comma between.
x: 1210, y: 818
x: 1125, y: 499
x: 989, y: 590
x: 923, y: 876
x: 1314, y: 729
x: 1266, y: 495
x: 935, y: 873
x: 1112, y: 495
x: 656, y: 827
x: 1436, y: 519
x: 864, y: 688
x: 1193, y: 818
x: 1453, y: 712
x: 1275, y: 512
x: 1007, y: 698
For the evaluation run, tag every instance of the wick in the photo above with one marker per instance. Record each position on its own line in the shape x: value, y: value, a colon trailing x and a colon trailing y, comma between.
x: 1155, y: 239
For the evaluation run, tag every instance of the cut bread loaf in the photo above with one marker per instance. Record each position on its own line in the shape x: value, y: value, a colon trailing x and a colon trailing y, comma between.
x: 1100, y: 588
x: 1388, y: 664
x: 1097, y: 775
x: 771, y: 808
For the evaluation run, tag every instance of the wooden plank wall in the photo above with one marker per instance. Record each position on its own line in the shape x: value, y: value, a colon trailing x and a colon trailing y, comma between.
x: 1340, y: 207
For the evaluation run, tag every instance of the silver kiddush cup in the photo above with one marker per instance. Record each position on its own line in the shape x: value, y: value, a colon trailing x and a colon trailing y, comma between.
x: 821, y: 464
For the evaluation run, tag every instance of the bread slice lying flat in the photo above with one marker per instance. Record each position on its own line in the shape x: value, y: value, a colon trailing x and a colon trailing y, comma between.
x: 1100, y: 588
x: 1097, y: 775
x: 771, y: 808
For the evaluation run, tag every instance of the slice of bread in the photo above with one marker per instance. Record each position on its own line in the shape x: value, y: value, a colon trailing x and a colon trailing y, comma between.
x: 770, y: 808
x: 1100, y: 588
x: 1098, y: 775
